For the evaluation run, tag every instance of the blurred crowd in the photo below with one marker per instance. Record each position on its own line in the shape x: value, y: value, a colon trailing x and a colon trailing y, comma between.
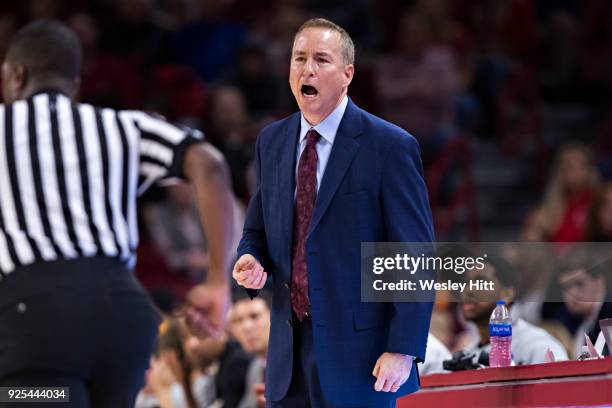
x: 227, y: 371
x: 453, y: 73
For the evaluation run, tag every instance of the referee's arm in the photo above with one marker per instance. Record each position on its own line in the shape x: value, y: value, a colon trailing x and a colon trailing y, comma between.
x: 206, y: 168
x: 167, y: 151
x: 207, y: 304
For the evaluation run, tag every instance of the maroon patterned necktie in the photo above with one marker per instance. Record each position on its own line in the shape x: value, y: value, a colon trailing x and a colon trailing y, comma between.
x: 304, y: 205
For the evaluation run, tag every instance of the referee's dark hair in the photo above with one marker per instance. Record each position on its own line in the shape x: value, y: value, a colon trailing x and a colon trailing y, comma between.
x: 44, y: 53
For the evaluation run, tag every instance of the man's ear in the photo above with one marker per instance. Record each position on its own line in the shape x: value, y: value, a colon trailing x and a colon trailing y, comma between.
x: 18, y: 78
x: 77, y: 86
x: 349, y: 71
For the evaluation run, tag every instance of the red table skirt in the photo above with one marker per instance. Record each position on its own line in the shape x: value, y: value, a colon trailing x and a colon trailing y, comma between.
x: 560, y: 384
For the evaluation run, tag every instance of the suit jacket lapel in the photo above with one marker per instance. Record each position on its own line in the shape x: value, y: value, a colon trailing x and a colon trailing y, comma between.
x: 286, y: 173
x: 343, y: 151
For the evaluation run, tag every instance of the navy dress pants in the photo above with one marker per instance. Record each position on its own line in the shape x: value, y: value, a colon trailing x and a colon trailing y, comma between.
x: 305, y: 388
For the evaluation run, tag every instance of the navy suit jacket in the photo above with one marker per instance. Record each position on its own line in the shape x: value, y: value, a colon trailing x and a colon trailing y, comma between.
x: 372, y: 191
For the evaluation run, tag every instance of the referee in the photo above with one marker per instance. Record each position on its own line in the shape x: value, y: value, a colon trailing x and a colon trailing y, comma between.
x: 71, y: 312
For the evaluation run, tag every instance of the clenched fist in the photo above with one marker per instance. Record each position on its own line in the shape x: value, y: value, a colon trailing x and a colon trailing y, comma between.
x: 249, y: 273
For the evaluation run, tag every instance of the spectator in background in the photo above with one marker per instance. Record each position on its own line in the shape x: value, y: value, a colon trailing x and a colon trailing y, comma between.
x: 168, y: 380
x: 532, y: 229
x: 8, y: 27
x: 437, y: 15
x: 582, y: 277
x: 595, y: 55
x: 443, y: 321
x: 214, y: 369
x: 360, y: 18
x: 599, y: 220
x: 278, y: 37
x: 536, y: 282
x: 535, y: 273
x: 262, y: 90
x: 226, y: 361
x: 210, y: 45
x: 435, y: 354
x: 233, y: 132
x: 178, y: 92
x: 173, y: 14
x: 559, y: 57
x: 44, y: 9
x: 535, y: 267
x: 249, y: 323
x: 529, y: 343
x: 176, y: 232
x: 106, y: 80
x: 131, y: 33
x: 571, y: 189
x: 499, y: 44
x: 418, y: 83
x: 604, y: 147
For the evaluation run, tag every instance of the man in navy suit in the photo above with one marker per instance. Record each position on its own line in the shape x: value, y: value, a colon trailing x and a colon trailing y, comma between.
x: 330, y: 177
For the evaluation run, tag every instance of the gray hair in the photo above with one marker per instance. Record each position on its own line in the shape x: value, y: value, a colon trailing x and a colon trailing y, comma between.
x: 348, y: 47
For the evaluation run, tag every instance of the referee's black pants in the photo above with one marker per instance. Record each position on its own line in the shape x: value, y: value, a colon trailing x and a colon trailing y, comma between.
x: 86, y: 324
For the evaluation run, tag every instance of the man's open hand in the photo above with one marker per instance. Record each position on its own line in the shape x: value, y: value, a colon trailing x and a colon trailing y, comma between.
x: 392, y: 370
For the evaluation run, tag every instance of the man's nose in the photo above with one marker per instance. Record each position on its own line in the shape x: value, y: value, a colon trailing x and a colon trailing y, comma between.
x: 309, y: 67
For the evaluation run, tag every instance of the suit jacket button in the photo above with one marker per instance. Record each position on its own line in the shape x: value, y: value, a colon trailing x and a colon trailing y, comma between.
x: 286, y: 285
x: 289, y: 322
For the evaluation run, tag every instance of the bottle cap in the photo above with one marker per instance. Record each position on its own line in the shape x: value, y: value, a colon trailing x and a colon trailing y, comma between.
x: 501, y: 302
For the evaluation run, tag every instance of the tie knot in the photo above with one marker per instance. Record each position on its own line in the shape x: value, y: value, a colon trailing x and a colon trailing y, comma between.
x: 312, y: 137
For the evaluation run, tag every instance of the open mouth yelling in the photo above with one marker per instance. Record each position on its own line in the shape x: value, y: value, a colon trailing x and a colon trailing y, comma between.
x: 309, y: 91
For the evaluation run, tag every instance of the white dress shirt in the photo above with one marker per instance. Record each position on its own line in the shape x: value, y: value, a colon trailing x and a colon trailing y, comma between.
x: 435, y: 354
x: 327, y: 128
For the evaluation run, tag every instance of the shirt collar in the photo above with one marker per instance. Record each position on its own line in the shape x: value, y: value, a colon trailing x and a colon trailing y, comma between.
x: 328, y: 126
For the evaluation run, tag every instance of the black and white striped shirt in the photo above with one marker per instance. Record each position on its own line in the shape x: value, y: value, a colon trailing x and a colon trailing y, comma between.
x: 70, y: 174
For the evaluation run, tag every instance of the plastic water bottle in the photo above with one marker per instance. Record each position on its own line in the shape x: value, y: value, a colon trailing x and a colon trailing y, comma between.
x: 500, y: 336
